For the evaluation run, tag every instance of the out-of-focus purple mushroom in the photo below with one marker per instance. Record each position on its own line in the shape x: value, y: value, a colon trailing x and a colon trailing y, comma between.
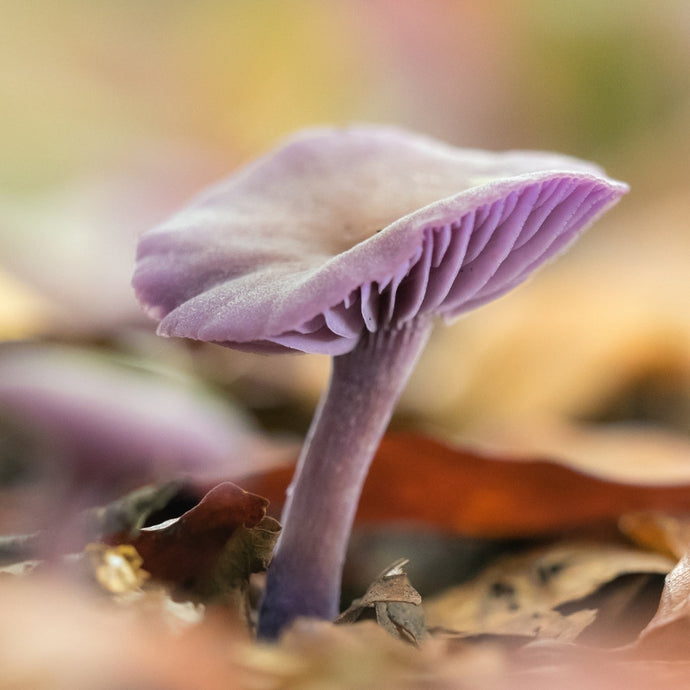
x: 95, y: 427
x: 351, y: 242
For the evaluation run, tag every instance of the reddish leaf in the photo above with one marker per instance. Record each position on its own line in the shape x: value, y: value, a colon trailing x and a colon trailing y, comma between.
x: 183, y: 550
x: 416, y: 478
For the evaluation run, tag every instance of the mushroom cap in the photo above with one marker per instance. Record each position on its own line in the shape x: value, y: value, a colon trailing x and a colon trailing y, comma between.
x: 339, y: 231
x: 103, y: 420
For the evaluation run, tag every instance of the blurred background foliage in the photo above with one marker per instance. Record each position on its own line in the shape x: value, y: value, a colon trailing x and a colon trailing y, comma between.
x: 114, y: 113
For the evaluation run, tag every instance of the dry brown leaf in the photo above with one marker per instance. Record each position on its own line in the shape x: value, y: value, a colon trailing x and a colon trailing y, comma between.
x: 210, y: 552
x: 520, y: 594
x: 249, y: 550
x: 184, y: 549
x: 396, y: 602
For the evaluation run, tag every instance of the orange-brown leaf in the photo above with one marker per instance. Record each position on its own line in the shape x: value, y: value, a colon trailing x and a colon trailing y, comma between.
x: 414, y: 478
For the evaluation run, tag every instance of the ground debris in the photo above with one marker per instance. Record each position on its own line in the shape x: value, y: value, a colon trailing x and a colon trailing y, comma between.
x: 396, y: 602
x: 118, y: 569
x: 541, y: 594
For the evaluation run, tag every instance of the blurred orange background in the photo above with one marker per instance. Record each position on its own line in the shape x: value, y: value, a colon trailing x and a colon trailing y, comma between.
x: 114, y: 113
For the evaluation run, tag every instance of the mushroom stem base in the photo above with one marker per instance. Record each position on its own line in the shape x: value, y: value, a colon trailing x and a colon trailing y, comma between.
x: 304, y: 577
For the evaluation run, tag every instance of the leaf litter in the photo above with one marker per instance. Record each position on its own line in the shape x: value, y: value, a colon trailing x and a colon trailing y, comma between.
x: 548, y: 614
x: 523, y: 595
x: 396, y: 602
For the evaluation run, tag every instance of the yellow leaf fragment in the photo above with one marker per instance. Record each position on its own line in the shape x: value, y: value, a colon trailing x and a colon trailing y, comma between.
x: 116, y: 568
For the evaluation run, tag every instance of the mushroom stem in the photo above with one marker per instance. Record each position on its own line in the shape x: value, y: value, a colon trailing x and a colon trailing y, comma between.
x: 305, y: 574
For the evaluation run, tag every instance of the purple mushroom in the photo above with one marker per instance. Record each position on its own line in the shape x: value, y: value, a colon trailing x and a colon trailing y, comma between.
x: 100, y: 425
x: 351, y: 242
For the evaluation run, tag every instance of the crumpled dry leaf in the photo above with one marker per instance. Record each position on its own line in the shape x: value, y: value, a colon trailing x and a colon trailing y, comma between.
x: 249, y: 550
x: 415, y: 478
x: 396, y: 602
x: 520, y: 594
x: 211, y: 550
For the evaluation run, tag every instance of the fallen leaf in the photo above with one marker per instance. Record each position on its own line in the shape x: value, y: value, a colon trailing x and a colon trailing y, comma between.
x: 624, y: 606
x: 396, y: 602
x: 211, y: 550
x: 249, y: 550
x: 521, y: 594
x: 415, y: 478
x: 405, y: 621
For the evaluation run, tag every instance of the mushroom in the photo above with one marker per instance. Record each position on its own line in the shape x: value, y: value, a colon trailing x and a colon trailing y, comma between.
x: 80, y: 428
x: 351, y: 242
